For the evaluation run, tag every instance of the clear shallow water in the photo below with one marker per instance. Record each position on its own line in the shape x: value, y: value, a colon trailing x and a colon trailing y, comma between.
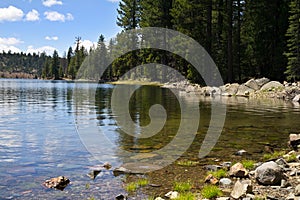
x: 39, y: 139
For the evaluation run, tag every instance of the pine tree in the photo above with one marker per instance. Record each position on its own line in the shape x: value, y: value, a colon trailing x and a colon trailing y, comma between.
x: 55, y: 65
x: 293, y: 33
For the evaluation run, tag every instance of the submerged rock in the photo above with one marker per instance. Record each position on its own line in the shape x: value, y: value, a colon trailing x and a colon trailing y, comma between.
x: 58, y: 183
x: 93, y: 174
x: 269, y: 173
x: 135, y: 168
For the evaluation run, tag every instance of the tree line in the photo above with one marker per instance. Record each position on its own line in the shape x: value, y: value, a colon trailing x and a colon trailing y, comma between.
x: 245, y: 38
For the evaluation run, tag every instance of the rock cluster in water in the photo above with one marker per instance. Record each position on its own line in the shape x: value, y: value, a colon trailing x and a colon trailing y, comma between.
x: 262, y: 87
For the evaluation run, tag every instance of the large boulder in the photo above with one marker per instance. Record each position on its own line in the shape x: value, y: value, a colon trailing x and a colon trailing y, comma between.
x: 269, y: 173
x: 252, y: 84
x: 243, y: 90
x: 271, y: 85
x: 241, y: 188
x: 229, y: 89
x: 262, y: 81
x: 238, y: 170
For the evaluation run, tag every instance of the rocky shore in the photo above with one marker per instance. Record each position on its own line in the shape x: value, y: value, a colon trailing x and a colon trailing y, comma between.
x: 276, y: 178
x: 254, y: 88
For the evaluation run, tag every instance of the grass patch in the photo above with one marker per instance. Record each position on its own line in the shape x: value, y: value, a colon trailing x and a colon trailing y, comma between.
x: 248, y: 164
x: 291, y: 158
x: 133, y: 186
x: 274, y: 155
x: 186, y: 196
x: 221, y: 173
x: 187, y: 163
x: 142, y: 182
x: 182, y: 186
x: 210, y: 191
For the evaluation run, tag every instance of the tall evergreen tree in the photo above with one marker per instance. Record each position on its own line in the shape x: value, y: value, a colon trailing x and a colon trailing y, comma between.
x: 293, y: 34
x: 55, y: 65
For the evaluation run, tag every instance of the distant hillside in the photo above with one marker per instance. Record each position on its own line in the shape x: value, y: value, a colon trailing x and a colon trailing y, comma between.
x: 21, y: 65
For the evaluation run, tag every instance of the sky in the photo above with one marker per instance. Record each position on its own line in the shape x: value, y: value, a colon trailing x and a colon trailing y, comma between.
x: 47, y: 25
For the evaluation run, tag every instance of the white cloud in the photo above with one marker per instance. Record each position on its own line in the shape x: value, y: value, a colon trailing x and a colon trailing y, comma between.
x: 87, y: 44
x: 8, y: 44
x: 11, y: 13
x: 33, y: 15
x: 10, y: 41
x: 51, y: 38
x: 49, y: 3
x: 56, y: 16
x: 47, y: 49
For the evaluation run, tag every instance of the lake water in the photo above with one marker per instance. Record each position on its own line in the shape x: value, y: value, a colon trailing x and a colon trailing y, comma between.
x: 48, y: 128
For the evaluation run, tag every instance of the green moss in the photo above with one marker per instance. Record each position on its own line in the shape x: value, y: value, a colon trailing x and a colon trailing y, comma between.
x: 187, y: 163
x: 221, y: 173
x: 186, y: 196
x: 291, y: 158
x: 182, y: 186
x: 142, y: 182
x: 275, y: 155
x: 133, y: 186
x: 248, y: 164
x: 210, y: 191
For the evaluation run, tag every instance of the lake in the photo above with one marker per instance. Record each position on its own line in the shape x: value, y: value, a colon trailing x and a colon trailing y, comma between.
x: 53, y: 128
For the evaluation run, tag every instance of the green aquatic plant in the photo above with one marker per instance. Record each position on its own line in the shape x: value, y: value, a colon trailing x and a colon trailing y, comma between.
x: 186, y: 196
x: 210, y: 191
x: 274, y: 155
x: 182, y: 186
x: 133, y: 186
x: 221, y: 173
x: 248, y: 164
x: 187, y: 163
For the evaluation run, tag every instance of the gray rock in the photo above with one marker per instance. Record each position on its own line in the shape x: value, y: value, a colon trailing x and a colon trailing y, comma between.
x: 294, y: 141
x: 262, y: 81
x: 238, y: 170
x: 225, y: 182
x: 244, y: 91
x: 135, y: 168
x: 159, y: 198
x: 241, y: 152
x: 297, y: 190
x: 296, y: 98
x: 120, y: 197
x: 172, y: 195
x: 281, y: 162
x: 271, y: 85
x: 226, y: 164
x: 58, y: 183
x: 212, y: 167
x: 252, y: 84
x: 229, y: 89
x: 269, y: 173
x: 241, y: 188
x: 223, y: 198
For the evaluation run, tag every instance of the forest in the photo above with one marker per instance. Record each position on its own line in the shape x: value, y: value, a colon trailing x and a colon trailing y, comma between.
x: 245, y: 38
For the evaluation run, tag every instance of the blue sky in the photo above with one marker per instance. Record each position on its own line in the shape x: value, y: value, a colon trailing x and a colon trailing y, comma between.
x: 44, y: 25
